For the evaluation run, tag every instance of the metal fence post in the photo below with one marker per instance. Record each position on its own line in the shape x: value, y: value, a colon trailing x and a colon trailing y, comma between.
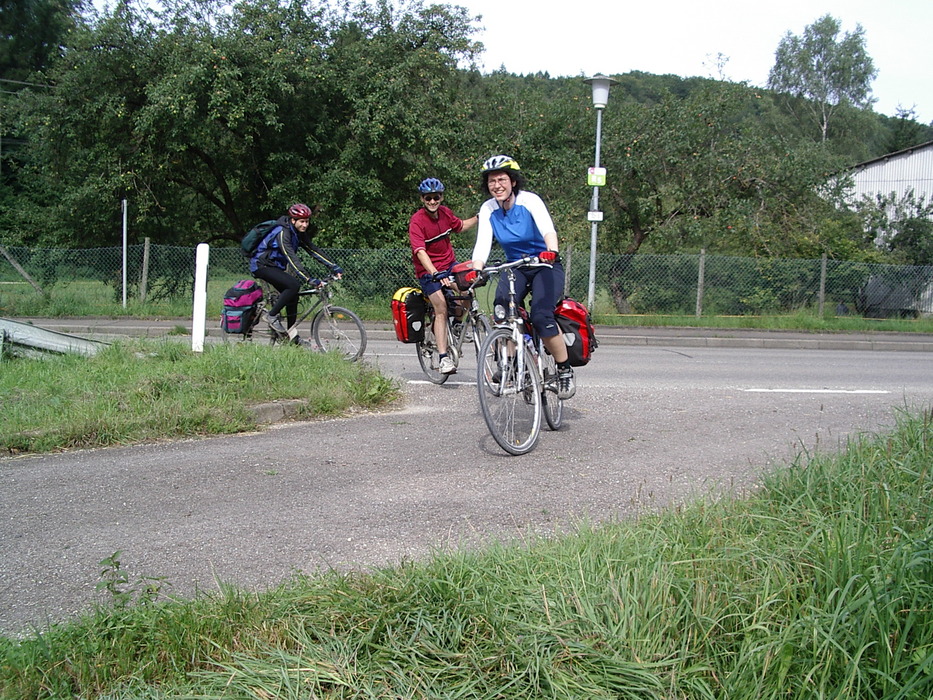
x: 124, y: 253
x: 20, y: 270
x: 822, y: 283
x: 701, y: 274
x: 566, y: 261
x: 144, y: 273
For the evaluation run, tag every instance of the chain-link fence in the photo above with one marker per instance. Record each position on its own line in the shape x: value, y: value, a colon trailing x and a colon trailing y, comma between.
x: 701, y: 284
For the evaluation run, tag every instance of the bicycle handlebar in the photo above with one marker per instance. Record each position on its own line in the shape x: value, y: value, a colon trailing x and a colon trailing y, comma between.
x: 527, y: 260
x: 325, y: 281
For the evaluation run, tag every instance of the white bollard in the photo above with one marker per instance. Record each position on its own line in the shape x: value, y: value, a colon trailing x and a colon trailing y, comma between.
x: 199, y: 312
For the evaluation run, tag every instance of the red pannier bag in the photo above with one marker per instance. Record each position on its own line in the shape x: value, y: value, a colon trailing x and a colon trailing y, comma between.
x: 576, y: 326
x: 408, y: 309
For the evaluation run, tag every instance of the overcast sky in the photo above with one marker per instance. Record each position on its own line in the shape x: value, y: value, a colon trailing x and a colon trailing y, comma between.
x: 684, y: 38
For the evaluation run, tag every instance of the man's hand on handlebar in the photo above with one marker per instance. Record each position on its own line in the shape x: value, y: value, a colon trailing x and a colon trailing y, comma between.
x: 442, y: 276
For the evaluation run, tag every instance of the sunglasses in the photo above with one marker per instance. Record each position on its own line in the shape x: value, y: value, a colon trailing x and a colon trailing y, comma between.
x: 432, y: 197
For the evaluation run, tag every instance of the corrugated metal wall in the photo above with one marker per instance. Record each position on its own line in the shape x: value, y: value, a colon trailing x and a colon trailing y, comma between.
x: 898, y: 172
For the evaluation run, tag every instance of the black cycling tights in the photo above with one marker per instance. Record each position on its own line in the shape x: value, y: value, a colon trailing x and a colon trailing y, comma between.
x: 288, y: 288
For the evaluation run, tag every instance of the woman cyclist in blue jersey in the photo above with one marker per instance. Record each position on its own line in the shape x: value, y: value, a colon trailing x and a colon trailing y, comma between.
x: 520, y: 222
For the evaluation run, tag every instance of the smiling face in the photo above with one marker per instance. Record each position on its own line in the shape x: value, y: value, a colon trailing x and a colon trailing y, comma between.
x: 301, y: 225
x: 432, y: 201
x: 500, y: 185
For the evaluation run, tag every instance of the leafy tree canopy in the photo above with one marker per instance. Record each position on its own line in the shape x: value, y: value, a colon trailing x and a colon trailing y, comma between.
x: 33, y: 33
x: 825, y: 70
x: 209, y: 117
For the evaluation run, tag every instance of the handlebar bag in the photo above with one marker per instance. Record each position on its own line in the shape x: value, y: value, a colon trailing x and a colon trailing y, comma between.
x: 464, y: 274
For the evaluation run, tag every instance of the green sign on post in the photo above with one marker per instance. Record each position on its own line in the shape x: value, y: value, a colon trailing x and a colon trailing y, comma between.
x: 596, y: 177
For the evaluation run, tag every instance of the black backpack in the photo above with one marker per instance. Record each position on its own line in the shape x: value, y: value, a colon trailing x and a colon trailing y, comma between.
x: 255, y: 235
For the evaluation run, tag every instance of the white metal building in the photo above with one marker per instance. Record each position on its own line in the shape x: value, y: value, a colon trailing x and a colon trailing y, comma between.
x: 908, y: 174
x: 900, y: 173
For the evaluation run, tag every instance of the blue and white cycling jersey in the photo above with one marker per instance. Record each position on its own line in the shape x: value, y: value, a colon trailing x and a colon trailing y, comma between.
x: 520, y: 230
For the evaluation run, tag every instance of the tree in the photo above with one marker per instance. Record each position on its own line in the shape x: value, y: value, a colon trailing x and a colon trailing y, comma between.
x: 899, y: 225
x: 32, y: 33
x: 703, y: 172
x: 906, y: 130
x: 211, y: 117
x: 822, y: 71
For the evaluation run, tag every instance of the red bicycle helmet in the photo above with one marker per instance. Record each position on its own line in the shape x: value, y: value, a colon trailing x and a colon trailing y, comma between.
x: 299, y: 211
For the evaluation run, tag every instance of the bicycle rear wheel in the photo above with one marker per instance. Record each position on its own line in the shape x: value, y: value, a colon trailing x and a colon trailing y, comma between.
x: 511, y: 403
x: 481, y: 329
x: 339, y: 329
x: 428, y: 355
x: 553, y: 406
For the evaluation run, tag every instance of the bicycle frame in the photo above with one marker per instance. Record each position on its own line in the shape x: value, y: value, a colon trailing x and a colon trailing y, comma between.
x: 513, y: 318
x: 515, y: 375
x: 322, y: 301
x: 474, y: 320
x: 332, y: 327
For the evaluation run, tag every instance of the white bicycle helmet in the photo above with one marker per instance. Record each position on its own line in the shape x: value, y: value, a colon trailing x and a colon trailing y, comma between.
x: 500, y: 162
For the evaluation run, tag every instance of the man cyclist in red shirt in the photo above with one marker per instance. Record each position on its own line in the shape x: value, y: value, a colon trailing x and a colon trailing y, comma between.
x: 432, y: 253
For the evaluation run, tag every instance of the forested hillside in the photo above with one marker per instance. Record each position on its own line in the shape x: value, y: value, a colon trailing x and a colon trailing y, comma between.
x: 208, y: 119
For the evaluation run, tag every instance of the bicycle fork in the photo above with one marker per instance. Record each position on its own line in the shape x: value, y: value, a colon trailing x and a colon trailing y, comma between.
x: 514, y: 355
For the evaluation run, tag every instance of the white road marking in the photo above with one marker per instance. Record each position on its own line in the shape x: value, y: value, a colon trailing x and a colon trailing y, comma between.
x: 818, y: 391
x: 447, y: 383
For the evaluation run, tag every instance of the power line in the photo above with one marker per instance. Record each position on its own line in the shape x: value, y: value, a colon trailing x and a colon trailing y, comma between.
x: 20, y: 82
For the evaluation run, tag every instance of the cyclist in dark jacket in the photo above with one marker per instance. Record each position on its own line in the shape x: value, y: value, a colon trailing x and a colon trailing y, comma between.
x: 276, y: 261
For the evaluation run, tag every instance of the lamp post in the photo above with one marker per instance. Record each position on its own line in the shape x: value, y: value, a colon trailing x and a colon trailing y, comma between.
x: 597, y: 177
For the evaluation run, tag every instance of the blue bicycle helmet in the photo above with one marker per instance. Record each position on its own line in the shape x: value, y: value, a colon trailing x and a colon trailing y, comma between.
x: 432, y: 184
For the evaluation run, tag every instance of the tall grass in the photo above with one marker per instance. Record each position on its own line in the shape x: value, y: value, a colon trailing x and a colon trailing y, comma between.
x: 142, y: 390
x: 820, y: 585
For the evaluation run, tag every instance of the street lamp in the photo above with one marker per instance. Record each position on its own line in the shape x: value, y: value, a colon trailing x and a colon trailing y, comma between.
x: 597, y: 176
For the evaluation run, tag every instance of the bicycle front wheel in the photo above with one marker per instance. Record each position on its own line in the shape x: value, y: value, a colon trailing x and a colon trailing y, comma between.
x: 553, y: 406
x: 339, y: 329
x: 511, y: 401
x: 428, y: 355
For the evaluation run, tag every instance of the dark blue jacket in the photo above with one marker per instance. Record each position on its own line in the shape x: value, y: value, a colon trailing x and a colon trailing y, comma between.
x: 280, y: 249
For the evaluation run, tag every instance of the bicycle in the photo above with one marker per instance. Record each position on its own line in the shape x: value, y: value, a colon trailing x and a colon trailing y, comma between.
x: 475, y: 326
x: 334, y: 328
x: 516, y: 376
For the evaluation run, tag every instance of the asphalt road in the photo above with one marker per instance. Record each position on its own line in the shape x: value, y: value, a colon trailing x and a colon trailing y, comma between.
x: 650, y: 426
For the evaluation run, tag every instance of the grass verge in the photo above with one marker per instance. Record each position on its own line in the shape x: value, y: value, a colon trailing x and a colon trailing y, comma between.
x: 818, y: 585
x: 799, y: 321
x: 141, y: 390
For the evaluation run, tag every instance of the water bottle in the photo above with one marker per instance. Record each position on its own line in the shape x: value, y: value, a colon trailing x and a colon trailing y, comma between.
x: 529, y: 343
